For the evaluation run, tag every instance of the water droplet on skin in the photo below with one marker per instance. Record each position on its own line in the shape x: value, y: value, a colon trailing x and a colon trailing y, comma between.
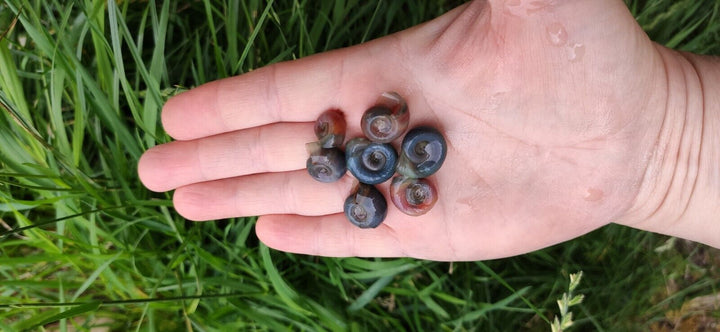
x: 513, y: 8
x: 593, y: 195
x: 576, y: 52
x: 540, y: 6
x: 493, y: 103
x: 557, y: 34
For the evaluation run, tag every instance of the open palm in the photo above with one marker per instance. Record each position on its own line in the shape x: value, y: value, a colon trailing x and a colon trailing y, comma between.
x: 546, y: 108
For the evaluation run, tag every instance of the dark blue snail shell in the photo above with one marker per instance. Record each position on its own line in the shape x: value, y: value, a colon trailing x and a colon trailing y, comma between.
x: 411, y: 196
x: 369, y: 162
x: 387, y: 120
x: 326, y: 165
x: 366, y: 207
x: 330, y: 129
x: 423, y: 152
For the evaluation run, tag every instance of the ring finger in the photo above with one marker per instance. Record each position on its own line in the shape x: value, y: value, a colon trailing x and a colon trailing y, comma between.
x: 292, y: 192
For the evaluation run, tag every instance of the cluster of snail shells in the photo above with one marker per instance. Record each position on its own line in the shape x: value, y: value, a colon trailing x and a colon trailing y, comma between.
x: 373, y: 160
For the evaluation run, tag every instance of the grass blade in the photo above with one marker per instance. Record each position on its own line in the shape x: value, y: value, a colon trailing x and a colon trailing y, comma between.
x: 284, y: 291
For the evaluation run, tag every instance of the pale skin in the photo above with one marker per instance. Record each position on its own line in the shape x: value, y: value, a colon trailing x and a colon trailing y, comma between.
x: 560, y: 116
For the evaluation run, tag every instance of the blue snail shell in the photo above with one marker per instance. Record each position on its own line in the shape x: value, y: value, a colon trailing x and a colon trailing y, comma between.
x: 369, y: 162
x: 366, y: 207
x: 326, y: 165
x: 423, y: 152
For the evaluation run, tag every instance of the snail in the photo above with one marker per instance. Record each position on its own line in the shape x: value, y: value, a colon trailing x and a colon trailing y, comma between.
x: 330, y: 129
x: 326, y: 165
x: 366, y: 207
x: 412, y: 196
x: 370, y: 162
x: 422, y: 153
x: 387, y: 120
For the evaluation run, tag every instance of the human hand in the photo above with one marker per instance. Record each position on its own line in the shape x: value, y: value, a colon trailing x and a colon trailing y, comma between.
x: 550, y: 111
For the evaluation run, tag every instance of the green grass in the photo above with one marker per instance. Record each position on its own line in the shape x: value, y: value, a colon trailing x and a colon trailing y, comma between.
x: 83, y: 244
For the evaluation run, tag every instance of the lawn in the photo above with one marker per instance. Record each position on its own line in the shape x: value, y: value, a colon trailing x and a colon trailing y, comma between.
x: 84, y: 246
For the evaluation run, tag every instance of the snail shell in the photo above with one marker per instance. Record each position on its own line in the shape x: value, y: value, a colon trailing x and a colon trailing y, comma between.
x: 370, y: 162
x: 423, y: 152
x: 411, y: 196
x: 366, y: 207
x: 387, y: 120
x: 330, y: 129
x: 326, y: 165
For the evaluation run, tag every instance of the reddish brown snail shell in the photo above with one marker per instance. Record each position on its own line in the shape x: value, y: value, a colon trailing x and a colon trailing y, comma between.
x: 387, y: 120
x: 330, y: 129
x: 412, y: 196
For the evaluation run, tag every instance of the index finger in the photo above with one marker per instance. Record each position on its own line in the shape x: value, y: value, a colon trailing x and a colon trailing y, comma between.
x: 293, y: 91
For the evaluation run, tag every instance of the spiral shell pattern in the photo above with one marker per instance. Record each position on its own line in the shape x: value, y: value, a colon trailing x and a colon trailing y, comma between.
x: 411, y: 196
x: 326, y: 165
x: 330, y: 129
x: 369, y: 162
x: 423, y: 152
x: 366, y: 207
x: 387, y: 120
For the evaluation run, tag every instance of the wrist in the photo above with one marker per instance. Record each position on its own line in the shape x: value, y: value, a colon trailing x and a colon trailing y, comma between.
x: 680, y: 192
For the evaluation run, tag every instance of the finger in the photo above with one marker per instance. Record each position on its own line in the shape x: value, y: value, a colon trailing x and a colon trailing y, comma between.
x: 330, y: 235
x: 293, y: 91
x: 271, y: 148
x: 269, y: 193
x: 426, y: 237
